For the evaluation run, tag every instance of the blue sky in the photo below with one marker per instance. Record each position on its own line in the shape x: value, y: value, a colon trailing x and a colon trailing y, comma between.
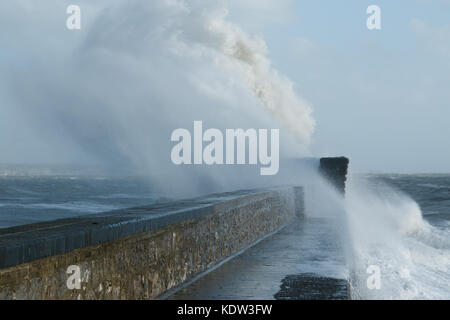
x: 380, y: 97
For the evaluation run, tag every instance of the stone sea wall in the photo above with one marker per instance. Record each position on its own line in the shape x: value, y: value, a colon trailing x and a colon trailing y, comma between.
x: 138, y: 253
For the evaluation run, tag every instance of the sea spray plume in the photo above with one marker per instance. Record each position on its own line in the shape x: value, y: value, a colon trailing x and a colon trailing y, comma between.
x: 248, y: 59
x: 136, y: 71
x: 387, y: 231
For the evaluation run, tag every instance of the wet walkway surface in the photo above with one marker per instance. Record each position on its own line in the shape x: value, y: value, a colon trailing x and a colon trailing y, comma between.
x: 305, y: 260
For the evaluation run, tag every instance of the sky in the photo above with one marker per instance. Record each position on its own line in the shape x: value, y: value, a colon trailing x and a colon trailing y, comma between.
x: 379, y: 97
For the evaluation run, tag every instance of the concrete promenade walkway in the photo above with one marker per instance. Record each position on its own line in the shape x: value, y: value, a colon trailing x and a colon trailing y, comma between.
x: 305, y: 260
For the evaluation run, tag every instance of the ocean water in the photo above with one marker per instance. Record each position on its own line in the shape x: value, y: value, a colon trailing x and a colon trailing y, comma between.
x: 30, y: 198
x: 399, y: 224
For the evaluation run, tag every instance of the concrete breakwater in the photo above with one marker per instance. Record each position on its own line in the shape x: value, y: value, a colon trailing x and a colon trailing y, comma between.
x: 137, y: 253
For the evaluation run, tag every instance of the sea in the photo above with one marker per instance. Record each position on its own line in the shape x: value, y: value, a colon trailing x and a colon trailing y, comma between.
x: 399, y: 229
x: 35, y: 194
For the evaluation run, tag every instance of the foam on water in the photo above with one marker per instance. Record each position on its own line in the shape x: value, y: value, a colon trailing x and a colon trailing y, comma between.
x: 387, y: 230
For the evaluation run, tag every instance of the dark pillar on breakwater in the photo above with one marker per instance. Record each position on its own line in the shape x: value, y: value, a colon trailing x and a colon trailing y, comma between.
x: 335, y: 171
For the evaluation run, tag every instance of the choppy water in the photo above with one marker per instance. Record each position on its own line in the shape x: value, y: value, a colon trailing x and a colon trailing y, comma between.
x: 401, y: 225
x: 27, y: 199
x: 431, y: 192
